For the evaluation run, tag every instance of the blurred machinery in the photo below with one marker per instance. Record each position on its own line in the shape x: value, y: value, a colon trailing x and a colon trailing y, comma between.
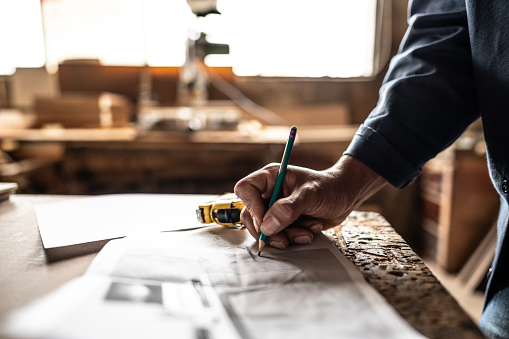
x: 193, y: 111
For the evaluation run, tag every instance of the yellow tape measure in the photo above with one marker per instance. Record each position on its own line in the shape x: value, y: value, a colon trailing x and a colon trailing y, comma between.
x: 225, y: 210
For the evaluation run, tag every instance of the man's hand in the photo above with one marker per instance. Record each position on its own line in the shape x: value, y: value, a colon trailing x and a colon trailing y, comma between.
x: 312, y: 200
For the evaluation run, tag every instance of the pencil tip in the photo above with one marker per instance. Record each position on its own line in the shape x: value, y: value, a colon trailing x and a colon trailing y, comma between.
x: 259, y: 253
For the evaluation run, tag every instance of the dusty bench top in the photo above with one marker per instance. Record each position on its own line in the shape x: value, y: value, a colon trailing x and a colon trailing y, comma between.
x: 392, y: 267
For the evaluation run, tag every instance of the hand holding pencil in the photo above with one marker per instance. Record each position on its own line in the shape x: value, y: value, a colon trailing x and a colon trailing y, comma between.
x: 309, y: 200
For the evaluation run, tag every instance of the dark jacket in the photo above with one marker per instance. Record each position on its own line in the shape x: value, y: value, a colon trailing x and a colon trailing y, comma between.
x: 452, y: 68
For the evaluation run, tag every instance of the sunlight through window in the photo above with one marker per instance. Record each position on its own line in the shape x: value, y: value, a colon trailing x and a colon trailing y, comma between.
x: 301, y: 38
x: 295, y: 38
x: 21, y: 35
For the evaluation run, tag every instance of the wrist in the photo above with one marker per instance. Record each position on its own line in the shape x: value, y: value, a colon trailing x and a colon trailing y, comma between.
x: 356, y: 180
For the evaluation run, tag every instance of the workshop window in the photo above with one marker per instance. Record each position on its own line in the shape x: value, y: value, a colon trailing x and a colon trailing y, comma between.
x: 296, y: 38
x: 21, y: 37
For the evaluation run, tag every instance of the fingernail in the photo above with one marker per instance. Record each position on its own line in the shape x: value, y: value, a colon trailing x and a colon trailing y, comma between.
x: 277, y: 244
x: 270, y: 225
x: 316, y: 228
x: 302, y: 239
x: 256, y: 225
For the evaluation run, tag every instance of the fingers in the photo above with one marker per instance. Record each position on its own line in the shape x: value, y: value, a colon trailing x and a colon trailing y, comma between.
x: 290, y: 236
x: 252, y: 190
x: 247, y: 221
x: 291, y: 220
x: 279, y: 241
x: 283, y: 213
x: 298, y: 235
x: 312, y: 225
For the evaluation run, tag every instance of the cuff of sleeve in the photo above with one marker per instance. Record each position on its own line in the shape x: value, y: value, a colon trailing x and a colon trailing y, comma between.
x: 371, y: 148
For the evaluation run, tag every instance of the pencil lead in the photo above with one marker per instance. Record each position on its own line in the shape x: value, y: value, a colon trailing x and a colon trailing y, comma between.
x: 259, y: 253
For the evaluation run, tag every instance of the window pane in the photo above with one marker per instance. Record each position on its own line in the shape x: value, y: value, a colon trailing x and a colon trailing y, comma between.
x: 108, y: 30
x: 299, y: 38
x: 21, y: 38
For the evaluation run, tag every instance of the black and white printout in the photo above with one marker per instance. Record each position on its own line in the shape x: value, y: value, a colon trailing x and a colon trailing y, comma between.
x: 209, y: 283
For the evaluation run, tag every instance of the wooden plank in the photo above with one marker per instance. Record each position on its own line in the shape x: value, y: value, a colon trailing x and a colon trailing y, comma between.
x: 476, y: 268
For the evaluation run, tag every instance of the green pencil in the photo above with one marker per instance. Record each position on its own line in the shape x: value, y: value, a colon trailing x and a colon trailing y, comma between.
x: 278, y: 188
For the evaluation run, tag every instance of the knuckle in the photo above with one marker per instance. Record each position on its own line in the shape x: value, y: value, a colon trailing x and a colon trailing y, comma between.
x: 271, y: 166
x: 239, y: 188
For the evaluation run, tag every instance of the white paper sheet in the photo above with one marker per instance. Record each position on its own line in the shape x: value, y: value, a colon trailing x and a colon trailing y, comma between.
x: 90, y: 219
x: 306, y: 292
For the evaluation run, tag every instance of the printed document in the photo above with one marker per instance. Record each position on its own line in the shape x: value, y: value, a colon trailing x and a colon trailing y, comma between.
x: 209, y: 283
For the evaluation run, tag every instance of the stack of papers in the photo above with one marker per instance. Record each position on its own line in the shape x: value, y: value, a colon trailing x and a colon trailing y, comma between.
x: 84, y: 225
x: 6, y: 189
x: 208, y: 283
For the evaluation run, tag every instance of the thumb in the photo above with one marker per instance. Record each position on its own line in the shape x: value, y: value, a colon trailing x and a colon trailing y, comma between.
x: 282, y: 214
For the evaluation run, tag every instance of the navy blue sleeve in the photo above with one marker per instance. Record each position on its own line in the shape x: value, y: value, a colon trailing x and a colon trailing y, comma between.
x: 428, y: 97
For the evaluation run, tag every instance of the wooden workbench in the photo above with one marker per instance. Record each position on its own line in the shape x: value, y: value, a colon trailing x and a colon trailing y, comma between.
x: 393, y: 269
x: 367, y: 239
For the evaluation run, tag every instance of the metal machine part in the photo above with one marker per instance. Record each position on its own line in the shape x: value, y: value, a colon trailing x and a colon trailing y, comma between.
x: 203, y: 7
